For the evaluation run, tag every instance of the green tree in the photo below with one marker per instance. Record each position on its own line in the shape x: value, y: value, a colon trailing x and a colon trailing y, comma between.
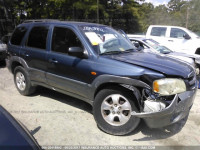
x: 145, y: 15
x: 194, y: 16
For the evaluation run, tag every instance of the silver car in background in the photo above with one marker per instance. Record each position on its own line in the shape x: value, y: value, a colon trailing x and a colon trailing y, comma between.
x: 151, y: 45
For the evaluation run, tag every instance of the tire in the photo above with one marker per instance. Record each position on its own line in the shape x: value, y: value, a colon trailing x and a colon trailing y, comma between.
x: 22, y: 81
x: 120, y: 121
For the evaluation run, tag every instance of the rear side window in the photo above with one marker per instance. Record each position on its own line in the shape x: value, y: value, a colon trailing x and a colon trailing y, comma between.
x: 158, y: 31
x: 18, y: 35
x: 38, y: 37
x: 63, y: 39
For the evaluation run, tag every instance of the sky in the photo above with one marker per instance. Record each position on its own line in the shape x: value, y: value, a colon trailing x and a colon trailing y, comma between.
x: 158, y: 2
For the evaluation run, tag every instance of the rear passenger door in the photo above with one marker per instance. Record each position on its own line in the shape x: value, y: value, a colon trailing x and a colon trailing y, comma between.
x: 65, y: 72
x: 34, y: 52
x: 158, y: 34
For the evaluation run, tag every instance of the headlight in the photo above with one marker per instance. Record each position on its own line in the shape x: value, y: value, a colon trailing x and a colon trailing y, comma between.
x: 169, y: 86
x: 197, y: 71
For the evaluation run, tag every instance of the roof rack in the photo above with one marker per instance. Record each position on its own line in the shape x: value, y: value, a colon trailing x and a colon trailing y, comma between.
x: 40, y: 20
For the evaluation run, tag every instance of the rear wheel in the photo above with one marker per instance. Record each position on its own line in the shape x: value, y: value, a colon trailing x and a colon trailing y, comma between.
x: 22, y: 81
x: 112, y: 111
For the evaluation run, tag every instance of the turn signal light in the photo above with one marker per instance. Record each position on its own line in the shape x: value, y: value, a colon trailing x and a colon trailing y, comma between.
x: 93, y: 73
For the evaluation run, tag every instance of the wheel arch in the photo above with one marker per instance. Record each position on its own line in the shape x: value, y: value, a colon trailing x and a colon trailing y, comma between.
x: 14, y: 65
x: 135, y: 91
x: 17, y: 61
x: 105, y: 85
x: 198, y: 51
x: 109, y: 81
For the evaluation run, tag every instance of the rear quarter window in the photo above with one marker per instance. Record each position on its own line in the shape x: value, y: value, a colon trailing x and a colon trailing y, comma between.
x: 158, y: 31
x: 18, y: 35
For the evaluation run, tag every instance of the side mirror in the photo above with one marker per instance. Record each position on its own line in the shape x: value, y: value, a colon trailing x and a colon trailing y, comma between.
x: 76, y: 51
x: 137, y: 45
x: 186, y: 36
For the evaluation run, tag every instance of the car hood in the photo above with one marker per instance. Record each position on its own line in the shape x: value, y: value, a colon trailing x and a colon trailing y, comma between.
x: 193, y: 56
x: 157, y: 62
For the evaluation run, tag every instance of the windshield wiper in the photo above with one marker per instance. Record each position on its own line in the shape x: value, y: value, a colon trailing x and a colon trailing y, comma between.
x: 130, y: 50
x: 166, y: 52
x: 111, y: 52
x: 118, y: 52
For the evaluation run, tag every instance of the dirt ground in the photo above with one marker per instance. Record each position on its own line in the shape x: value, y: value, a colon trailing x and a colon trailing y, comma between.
x: 58, y: 120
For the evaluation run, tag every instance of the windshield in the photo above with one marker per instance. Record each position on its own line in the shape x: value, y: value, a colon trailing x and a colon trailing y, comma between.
x: 157, y: 47
x: 106, y: 40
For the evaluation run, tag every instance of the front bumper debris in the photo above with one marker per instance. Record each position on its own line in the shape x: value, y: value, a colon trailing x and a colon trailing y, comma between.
x: 177, y: 110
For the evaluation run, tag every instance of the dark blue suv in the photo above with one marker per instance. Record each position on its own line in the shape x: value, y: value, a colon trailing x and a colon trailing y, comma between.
x: 98, y: 65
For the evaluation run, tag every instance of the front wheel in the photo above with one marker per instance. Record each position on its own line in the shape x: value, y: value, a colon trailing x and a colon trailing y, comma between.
x: 112, y: 111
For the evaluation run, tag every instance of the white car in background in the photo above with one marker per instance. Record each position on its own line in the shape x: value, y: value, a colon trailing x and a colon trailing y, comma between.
x: 173, y: 37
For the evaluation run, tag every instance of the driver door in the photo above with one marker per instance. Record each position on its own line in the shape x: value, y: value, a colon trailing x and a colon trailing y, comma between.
x: 177, y: 42
x: 65, y: 72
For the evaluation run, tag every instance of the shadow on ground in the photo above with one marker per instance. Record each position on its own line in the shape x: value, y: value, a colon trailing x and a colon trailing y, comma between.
x: 149, y: 134
x: 64, y: 99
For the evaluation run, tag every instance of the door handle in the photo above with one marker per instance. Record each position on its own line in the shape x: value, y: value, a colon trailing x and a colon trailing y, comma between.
x: 53, y: 61
x: 170, y: 40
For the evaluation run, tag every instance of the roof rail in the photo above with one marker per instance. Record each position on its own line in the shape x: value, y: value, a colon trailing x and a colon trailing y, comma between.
x: 40, y: 20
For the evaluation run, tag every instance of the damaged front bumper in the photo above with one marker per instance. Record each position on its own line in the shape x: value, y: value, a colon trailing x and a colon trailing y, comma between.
x: 177, y: 110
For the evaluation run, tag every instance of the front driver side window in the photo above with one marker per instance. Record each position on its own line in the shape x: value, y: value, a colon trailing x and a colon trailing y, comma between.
x: 177, y: 33
x: 63, y: 39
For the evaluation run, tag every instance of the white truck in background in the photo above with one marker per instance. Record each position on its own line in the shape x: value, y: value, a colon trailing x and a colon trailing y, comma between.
x: 175, y: 38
